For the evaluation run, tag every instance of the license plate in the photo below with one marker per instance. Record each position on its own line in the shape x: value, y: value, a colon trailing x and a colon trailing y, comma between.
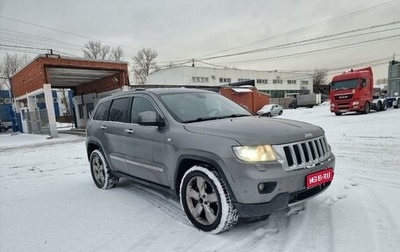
x: 319, y: 178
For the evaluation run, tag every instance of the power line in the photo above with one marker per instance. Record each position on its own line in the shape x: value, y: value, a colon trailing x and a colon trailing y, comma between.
x: 300, y: 42
x: 310, y: 26
x: 73, y: 34
x: 319, y: 50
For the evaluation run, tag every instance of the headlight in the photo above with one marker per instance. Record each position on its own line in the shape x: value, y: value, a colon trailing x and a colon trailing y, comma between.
x: 356, y: 102
x: 255, y: 153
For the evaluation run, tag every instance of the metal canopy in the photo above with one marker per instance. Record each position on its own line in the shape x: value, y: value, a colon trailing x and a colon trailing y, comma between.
x: 70, y: 77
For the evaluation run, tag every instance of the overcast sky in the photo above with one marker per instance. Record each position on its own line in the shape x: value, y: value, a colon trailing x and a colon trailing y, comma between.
x: 182, y: 29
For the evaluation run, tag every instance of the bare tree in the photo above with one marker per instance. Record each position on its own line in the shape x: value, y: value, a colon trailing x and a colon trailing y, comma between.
x: 144, y: 64
x: 319, y: 80
x: 117, y: 53
x: 11, y: 64
x: 96, y: 50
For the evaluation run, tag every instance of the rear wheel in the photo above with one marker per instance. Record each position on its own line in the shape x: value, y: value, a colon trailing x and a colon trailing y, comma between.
x: 100, y: 171
x: 206, y: 201
x: 280, y: 112
x: 384, y: 107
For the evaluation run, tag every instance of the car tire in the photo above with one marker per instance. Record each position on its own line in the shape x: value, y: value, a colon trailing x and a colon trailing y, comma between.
x: 268, y: 115
x: 379, y: 106
x: 99, y: 168
x: 206, y: 201
x: 280, y: 112
x: 385, y: 105
x: 338, y: 113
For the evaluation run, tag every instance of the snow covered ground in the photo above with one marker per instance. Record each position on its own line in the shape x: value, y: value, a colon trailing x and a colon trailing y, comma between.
x: 48, y: 201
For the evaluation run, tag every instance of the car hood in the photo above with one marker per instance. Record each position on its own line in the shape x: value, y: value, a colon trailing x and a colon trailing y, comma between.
x: 256, y: 130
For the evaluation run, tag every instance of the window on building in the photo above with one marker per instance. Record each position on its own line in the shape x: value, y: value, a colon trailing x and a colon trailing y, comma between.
x: 277, y: 93
x: 291, y: 82
x: 262, y: 81
x: 241, y: 79
x: 277, y: 81
x: 89, y: 108
x: 200, y: 79
x: 80, y: 111
x: 304, y: 82
x: 224, y: 80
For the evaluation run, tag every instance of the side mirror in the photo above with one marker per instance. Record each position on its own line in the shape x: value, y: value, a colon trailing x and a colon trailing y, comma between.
x: 150, y: 118
x: 363, y: 83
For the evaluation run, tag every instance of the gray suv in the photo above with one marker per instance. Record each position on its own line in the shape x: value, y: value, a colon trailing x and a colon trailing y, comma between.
x: 221, y: 161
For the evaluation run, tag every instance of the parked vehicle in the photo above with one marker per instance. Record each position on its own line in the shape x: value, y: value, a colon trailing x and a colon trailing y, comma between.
x: 354, y: 91
x: 305, y: 100
x: 222, y: 162
x: 270, y: 110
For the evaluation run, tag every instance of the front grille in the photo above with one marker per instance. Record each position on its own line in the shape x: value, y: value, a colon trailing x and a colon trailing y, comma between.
x: 304, y: 154
x: 343, y: 97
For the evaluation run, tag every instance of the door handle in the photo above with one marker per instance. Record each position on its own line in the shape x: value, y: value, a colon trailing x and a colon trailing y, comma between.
x: 129, y: 131
x: 103, y: 127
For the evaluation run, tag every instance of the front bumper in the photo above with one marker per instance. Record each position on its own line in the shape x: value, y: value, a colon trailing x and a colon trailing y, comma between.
x: 280, y: 201
x: 282, y: 187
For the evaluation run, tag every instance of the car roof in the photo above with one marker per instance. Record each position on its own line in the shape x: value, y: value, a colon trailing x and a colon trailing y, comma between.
x: 155, y: 91
x: 158, y: 91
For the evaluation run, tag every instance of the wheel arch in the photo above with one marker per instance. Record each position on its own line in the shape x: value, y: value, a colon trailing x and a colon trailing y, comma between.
x: 185, y: 162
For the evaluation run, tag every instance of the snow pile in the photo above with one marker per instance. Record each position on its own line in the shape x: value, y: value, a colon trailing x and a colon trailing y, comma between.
x: 49, y: 202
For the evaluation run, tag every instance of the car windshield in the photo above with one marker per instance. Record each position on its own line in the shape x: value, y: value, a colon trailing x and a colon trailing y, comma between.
x: 346, y: 84
x: 267, y: 107
x: 201, y: 106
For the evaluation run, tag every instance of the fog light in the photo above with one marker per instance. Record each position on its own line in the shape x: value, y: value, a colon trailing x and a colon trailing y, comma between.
x: 266, y: 187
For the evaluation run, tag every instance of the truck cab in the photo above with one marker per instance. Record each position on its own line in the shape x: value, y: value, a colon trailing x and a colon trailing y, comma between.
x: 352, y: 91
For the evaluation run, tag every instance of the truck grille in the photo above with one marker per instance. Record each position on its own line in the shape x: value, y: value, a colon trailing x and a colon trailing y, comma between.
x: 344, y: 97
x: 304, y: 154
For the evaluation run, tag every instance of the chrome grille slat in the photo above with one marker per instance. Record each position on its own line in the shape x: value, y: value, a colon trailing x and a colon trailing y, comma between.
x: 303, y: 154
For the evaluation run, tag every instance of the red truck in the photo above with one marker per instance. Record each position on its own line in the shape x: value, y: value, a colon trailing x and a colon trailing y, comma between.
x: 354, y: 91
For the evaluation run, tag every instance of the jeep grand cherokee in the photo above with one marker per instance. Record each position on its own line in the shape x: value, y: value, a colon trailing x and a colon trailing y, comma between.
x: 222, y: 162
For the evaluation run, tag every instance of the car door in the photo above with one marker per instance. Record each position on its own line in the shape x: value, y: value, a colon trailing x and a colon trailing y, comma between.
x: 115, y: 132
x: 145, y: 153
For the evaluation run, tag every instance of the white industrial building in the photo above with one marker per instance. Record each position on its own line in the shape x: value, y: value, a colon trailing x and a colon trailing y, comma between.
x: 277, y: 84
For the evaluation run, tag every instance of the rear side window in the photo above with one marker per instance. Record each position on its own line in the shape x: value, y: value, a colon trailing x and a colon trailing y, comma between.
x: 120, y: 110
x: 102, y: 111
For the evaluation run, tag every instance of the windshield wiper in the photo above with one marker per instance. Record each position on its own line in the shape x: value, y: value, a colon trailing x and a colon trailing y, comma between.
x: 202, y: 119
x: 232, y: 116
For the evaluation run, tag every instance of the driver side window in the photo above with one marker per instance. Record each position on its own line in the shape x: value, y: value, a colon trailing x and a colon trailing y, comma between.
x: 139, y: 105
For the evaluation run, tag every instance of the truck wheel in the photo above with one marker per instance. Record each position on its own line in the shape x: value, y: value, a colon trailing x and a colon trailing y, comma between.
x: 397, y: 104
x: 366, y: 108
x: 206, y: 201
x: 338, y: 113
x: 378, y: 106
x: 100, y: 172
x: 384, y: 106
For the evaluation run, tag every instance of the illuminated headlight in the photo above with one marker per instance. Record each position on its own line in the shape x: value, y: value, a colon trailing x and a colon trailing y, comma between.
x: 356, y: 102
x: 255, y: 153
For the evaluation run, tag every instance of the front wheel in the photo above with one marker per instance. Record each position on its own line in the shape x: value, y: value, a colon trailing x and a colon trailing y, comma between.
x: 366, y: 108
x: 206, y: 201
x: 100, y: 172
